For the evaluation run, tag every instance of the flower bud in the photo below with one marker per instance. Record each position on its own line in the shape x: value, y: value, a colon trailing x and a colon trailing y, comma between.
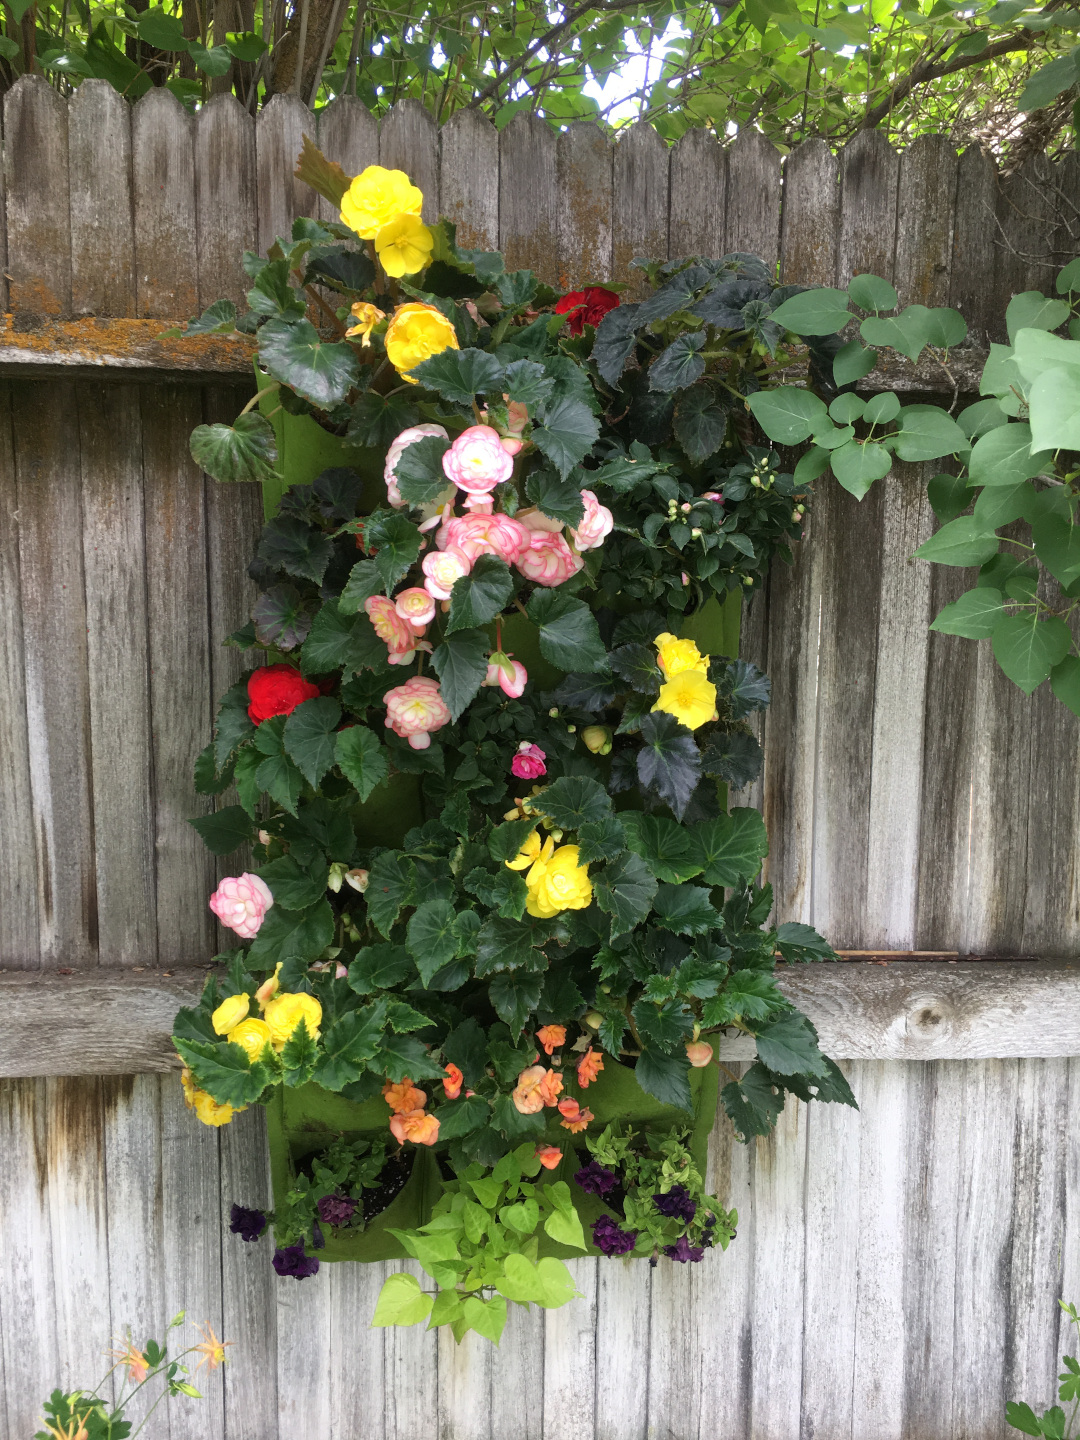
x: 685, y: 507
x: 336, y: 876
x: 594, y: 1019
x: 358, y: 879
x: 756, y: 481
x: 748, y: 580
x: 553, y: 713
x: 571, y: 729
x: 597, y: 738
x: 695, y: 533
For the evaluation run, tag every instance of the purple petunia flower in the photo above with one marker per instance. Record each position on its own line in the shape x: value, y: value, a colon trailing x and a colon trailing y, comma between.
x: 676, y: 1204
x: 336, y: 1209
x: 292, y: 1261
x: 682, y: 1250
x: 596, y: 1179
x: 248, y: 1224
x: 612, y: 1239
x: 318, y: 1239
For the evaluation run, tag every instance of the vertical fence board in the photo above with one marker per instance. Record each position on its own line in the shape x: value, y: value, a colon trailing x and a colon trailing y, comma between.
x: 410, y: 1373
x: 726, y: 1398
x: 279, y: 135
x: 163, y: 167
x: 226, y: 199
x: 640, y: 204
x: 1051, y: 915
x: 623, y: 1327
x: 529, y: 210
x: 468, y: 179
x: 753, y: 197
x: 114, y: 562
x: 975, y: 248
x: 304, y: 1355
x: 810, y: 219
x: 102, y: 226
x: 673, y: 1347
x: 409, y: 141
x: 464, y: 1388
x: 517, y: 1378
x: 359, y: 1392
x: 349, y: 134
x: 585, y: 167
x: 869, y: 172
x: 49, y: 482
x: 924, y: 239
x: 698, y: 196
x: 1027, y: 212
x: 37, y: 199
x: 570, y: 1340
x: 20, y: 937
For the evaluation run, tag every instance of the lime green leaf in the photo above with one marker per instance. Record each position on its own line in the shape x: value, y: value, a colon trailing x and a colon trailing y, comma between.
x: 1032, y: 310
x: 815, y: 312
x: 486, y: 1317
x: 401, y: 1302
x: 548, y: 1283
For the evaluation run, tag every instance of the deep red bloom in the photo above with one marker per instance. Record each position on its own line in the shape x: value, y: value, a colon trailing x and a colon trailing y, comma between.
x: 277, y: 690
x: 586, y: 307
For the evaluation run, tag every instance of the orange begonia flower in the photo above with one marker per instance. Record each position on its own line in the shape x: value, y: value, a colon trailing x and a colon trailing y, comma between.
x: 589, y: 1067
x: 415, y: 1125
x: 453, y: 1082
x: 402, y: 1095
x: 575, y: 1117
x: 211, y: 1349
x: 133, y: 1360
x: 548, y: 1155
x: 526, y: 1094
x: 550, y: 1086
x: 551, y: 1037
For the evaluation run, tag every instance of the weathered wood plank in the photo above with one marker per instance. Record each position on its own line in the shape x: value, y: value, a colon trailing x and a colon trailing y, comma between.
x: 464, y: 1374
x: 279, y: 135
x: 810, y: 218
x: 698, y: 203
x: 114, y: 564
x: 359, y: 1390
x: 570, y: 1339
x: 469, y: 179
x: 975, y: 248
x: 304, y: 1354
x: 87, y: 347
x: 226, y: 198
x: 1051, y: 915
x: 924, y: 233
x: 52, y: 587
x: 529, y: 209
x: 869, y: 171
x: 37, y: 198
x: 517, y: 1378
x: 102, y: 225
x: 409, y: 141
x: 410, y: 1375
x: 163, y: 183
x: 349, y: 134
x: 640, y: 202
x: 623, y: 1326
x: 585, y: 167
x: 753, y: 197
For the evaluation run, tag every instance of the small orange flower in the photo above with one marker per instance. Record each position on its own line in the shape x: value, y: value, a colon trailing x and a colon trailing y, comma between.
x: 575, y: 1117
x: 526, y: 1094
x: 453, y: 1082
x: 551, y: 1037
x: 402, y: 1095
x: 69, y: 1432
x: 211, y: 1349
x: 548, y: 1155
x: 699, y: 1053
x: 133, y: 1360
x: 415, y: 1125
x: 550, y: 1086
x: 589, y: 1067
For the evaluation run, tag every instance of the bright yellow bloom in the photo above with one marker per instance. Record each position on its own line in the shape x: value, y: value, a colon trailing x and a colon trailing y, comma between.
x: 285, y: 1012
x: 367, y: 316
x: 229, y: 1013
x: 252, y: 1036
x: 677, y: 655
x: 529, y: 852
x: 557, y: 882
x: 210, y: 1112
x: 404, y: 245
x: 689, y: 697
x: 211, y: 1349
x: 375, y: 197
x: 415, y: 333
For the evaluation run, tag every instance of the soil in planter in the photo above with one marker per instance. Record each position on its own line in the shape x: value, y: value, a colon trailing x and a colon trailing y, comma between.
x: 393, y: 1178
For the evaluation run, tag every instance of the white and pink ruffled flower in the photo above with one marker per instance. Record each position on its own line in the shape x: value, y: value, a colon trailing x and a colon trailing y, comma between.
x: 400, y: 636
x: 510, y: 675
x: 241, y: 903
x: 416, y: 708
x: 476, y: 462
x: 534, y: 519
x: 477, y: 535
x: 441, y: 568
x: 596, y: 524
x: 549, y: 560
x: 416, y: 607
x: 393, y: 455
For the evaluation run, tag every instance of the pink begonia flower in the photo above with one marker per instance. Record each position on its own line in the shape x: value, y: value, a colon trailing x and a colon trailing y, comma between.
x: 399, y: 636
x: 549, y: 560
x: 479, y: 504
x: 510, y: 675
x: 476, y: 462
x: 512, y: 445
x: 534, y: 519
x: 528, y: 763
x: 596, y: 524
x: 393, y: 455
x: 241, y: 903
x: 441, y: 568
x: 477, y: 535
x: 717, y: 495
x: 416, y: 708
x: 416, y: 607
x: 685, y: 578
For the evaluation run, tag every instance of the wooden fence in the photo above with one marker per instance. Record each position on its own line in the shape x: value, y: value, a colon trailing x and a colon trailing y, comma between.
x: 896, y: 1269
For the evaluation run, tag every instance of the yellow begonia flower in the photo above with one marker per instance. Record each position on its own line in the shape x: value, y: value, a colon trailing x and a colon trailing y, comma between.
x: 375, y: 197
x: 229, y: 1013
x: 415, y: 333
x: 404, y: 245
x: 689, y: 697
x: 286, y: 1011
x: 205, y: 1106
x: 529, y: 852
x: 676, y: 656
x: 557, y: 882
x: 252, y: 1036
x: 367, y: 316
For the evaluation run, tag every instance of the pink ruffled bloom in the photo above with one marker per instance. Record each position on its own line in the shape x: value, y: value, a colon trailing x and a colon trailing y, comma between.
x: 510, y: 675
x: 476, y: 462
x: 442, y: 567
x: 241, y: 903
x: 549, y: 560
x: 416, y: 708
x: 528, y: 763
x: 393, y: 455
x: 596, y: 524
x: 399, y: 636
x: 478, y: 535
x: 416, y: 607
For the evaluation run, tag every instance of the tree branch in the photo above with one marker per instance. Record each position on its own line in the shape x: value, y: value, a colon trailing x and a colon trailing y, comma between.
x: 926, y: 71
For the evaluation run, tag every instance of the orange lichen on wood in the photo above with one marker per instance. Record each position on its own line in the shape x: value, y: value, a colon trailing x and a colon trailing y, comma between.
x: 121, y: 344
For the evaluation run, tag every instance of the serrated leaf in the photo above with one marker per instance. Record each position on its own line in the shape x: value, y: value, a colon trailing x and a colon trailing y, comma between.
x: 461, y: 375
x: 396, y: 542
x: 625, y: 890
x: 685, y: 909
x: 574, y: 800
x: 380, y: 967
x: 788, y: 1045
x: 569, y: 635
x: 665, y: 1077
x: 669, y: 762
x: 430, y: 938
x: 388, y: 889
x: 680, y: 365
x: 600, y: 840
x: 292, y: 935
x: 224, y: 830
x: 420, y: 475
x: 556, y: 496
x: 731, y: 847
x: 476, y: 598
x: 664, y: 846
x: 293, y: 887
x: 299, y: 549
x: 341, y: 642
x: 322, y: 371
x: 753, y: 1103
x: 515, y: 995
x: 245, y: 450
x: 461, y: 665
x: 378, y: 419
x: 616, y: 336
x: 503, y: 944
x: 567, y: 434
x: 225, y: 1070
x: 734, y: 757
x: 309, y: 737
x: 701, y: 422
x: 282, y: 617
